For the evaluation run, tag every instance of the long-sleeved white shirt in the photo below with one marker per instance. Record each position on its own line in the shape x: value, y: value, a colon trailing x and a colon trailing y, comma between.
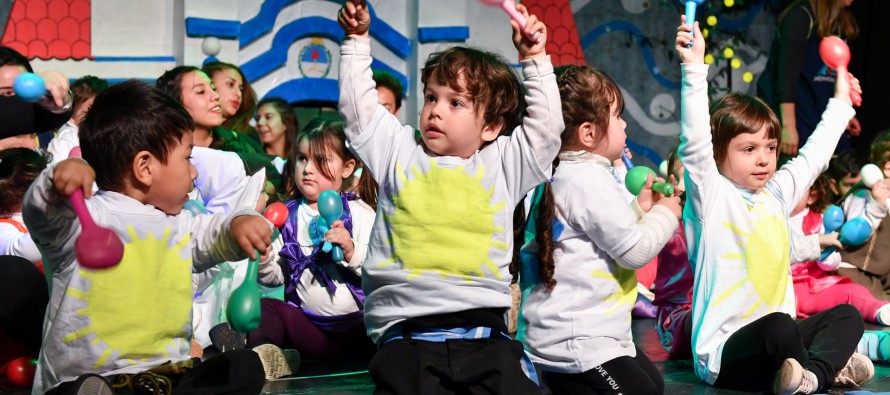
x: 738, y: 239
x: 442, y: 239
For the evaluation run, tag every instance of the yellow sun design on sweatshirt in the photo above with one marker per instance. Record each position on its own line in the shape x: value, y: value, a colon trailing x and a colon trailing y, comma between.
x: 444, y: 223
x: 137, y: 308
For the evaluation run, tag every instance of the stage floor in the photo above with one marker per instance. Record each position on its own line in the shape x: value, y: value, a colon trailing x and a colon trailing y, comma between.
x: 353, y: 378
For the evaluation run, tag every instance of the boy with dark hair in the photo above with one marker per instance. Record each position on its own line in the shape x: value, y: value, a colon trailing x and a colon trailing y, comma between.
x: 122, y: 321
x: 437, y: 275
x: 843, y: 171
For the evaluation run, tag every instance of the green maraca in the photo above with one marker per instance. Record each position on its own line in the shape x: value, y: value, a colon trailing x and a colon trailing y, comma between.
x: 635, y: 180
x: 243, y: 309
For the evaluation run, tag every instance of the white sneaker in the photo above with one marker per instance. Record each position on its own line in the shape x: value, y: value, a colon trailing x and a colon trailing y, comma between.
x: 859, y: 370
x: 793, y: 379
x: 883, y: 316
x: 277, y: 362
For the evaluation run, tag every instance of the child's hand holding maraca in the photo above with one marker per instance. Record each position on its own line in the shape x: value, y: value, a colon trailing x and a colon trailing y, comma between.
x: 690, y: 54
x: 527, y: 48
x: 57, y: 86
x: 671, y: 203
x: 340, y: 236
x: 647, y: 197
x: 73, y: 174
x: 354, y: 18
x: 830, y: 240
x: 251, y: 233
x: 844, y: 84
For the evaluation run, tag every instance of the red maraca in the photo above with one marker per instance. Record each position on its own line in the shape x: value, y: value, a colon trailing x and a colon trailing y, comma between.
x: 510, y: 7
x: 20, y: 371
x: 96, y: 247
x: 836, y: 54
x: 243, y: 309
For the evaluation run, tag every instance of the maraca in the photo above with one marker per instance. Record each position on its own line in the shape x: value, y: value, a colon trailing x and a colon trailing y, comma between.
x: 330, y: 207
x: 635, y: 180
x: 690, y: 16
x: 20, y: 371
x: 29, y: 87
x: 871, y: 174
x: 854, y: 232
x: 96, y: 247
x: 74, y: 153
x: 510, y: 7
x: 832, y: 218
x: 836, y: 54
x: 243, y: 309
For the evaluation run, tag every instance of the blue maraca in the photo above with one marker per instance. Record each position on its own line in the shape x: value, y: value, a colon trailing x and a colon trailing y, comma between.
x: 330, y: 207
x: 854, y: 232
x: 29, y: 87
x: 690, y: 16
x: 832, y: 218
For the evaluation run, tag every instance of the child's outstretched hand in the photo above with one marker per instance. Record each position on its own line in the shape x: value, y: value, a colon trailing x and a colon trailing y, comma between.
x: 251, y: 233
x: 354, y: 18
x: 528, y: 49
x: 340, y: 236
x: 695, y: 54
x: 844, y: 84
x: 73, y: 174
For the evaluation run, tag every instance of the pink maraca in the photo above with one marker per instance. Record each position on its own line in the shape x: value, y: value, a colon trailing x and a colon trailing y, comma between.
x: 510, y: 7
x: 836, y: 54
x: 96, y: 247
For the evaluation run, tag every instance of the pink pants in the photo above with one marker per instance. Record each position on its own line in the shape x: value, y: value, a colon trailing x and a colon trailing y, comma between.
x: 809, y: 303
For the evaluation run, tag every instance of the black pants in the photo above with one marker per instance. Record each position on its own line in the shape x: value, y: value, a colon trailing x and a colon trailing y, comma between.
x: 821, y: 343
x: 233, y: 372
x: 483, y: 366
x: 23, y: 299
x: 622, y: 375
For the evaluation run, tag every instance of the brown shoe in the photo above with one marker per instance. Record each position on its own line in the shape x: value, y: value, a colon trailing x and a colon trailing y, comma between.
x: 859, y: 370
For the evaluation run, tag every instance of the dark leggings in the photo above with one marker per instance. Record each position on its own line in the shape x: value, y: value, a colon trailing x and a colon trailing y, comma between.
x: 821, y: 343
x: 287, y: 327
x: 622, y: 375
x: 23, y: 299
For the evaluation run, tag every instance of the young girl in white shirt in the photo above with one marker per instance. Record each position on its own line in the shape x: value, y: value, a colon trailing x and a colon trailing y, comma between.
x: 736, y: 219
x: 584, y: 243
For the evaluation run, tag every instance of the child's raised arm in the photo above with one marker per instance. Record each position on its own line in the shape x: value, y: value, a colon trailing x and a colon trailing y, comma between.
x: 358, y: 103
x: 696, y: 151
x: 536, y: 143
x: 793, y: 179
